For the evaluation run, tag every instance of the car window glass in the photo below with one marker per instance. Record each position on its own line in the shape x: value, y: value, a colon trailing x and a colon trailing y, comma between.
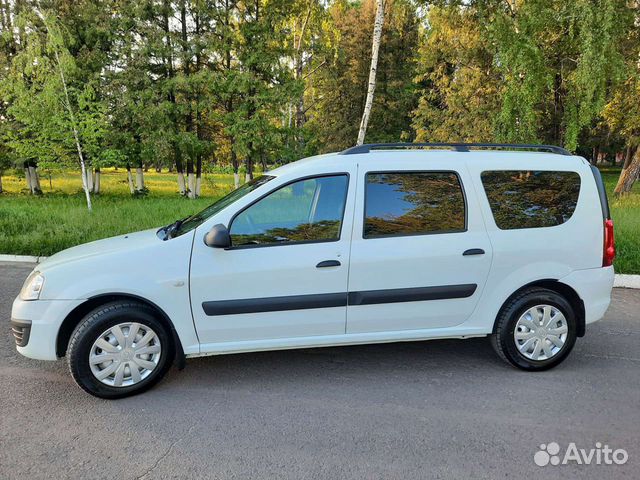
x: 531, y: 199
x: 413, y: 203
x: 308, y: 210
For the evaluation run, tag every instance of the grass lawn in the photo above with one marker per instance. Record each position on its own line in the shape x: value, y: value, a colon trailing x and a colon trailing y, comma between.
x: 43, y: 225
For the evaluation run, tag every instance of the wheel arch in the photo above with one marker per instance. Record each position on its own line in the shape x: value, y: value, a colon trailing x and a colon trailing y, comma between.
x: 560, y: 288
x: 74, y: 317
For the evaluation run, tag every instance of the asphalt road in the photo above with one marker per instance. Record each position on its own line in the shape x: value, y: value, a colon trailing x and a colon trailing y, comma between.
x: 439, y: 409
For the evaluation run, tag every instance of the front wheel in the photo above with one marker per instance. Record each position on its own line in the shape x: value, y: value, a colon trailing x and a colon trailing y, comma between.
x: 119, y: 349
x: 535, y: 330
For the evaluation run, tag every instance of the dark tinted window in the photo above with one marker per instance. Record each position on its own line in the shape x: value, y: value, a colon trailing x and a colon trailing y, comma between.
x: 530, y: 199
x: 303, y: 211
x: 413, y: 203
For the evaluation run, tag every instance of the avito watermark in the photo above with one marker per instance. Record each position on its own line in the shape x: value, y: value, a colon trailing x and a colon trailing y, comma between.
x: 549, y: 454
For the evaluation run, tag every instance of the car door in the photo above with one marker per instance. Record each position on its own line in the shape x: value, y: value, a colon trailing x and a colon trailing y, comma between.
x: 420, y: 253
x: 285, y: 274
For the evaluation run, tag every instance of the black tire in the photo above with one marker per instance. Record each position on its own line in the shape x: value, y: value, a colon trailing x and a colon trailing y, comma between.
x: 100, y: 320
x: 503, y: 340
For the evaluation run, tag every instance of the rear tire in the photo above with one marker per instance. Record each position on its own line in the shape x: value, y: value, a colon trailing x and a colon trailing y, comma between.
x: 120, y: 349
x: 535, y: 330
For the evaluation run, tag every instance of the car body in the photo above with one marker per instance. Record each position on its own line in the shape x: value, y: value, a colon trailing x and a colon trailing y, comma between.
x: 377, y: 259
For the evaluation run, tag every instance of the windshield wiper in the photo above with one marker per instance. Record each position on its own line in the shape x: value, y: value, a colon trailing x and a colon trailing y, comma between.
x: 172, y: 228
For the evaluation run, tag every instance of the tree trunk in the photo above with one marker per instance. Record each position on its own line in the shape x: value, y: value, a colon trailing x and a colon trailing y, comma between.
x: 34, y: 178
x: 191, y: 193
x: 180, y: 170
x: 236, y: 167
x: 629, y: 175
x: 0, y: 183
x: 181, y: 184
x: 249, y: 165
x: 27, y: 177
x: 96, y: 182
x: 89, y: 174
x: 375, y: 49
x: 198, y: 175
x: 628, y: 156
x: 130, y: 179
x: 198, y: 186
x: 139, y: 179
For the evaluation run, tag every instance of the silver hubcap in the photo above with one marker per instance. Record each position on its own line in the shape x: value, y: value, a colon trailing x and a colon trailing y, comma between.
x: 125, y: 354
x: 541, y: 332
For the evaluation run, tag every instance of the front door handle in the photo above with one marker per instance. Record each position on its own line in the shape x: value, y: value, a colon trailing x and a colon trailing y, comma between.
x: 473, y: 251
x: 328, y: 263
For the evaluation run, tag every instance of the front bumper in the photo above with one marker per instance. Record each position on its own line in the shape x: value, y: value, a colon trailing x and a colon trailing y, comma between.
x: 43, y: 318
x: 21, y: 330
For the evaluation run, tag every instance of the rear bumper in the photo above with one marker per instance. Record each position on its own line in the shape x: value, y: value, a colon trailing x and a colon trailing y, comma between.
x: 43, y: 318
x: 594, y: 288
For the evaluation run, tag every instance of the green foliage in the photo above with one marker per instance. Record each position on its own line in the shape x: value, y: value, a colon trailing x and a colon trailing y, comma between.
x: 339, y: 90
x: 241, y: 84
x: 458, y: 84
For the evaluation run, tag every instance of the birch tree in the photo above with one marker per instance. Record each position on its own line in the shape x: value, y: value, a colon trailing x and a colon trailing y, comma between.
x: 375, y: 48
x: 55, y: 44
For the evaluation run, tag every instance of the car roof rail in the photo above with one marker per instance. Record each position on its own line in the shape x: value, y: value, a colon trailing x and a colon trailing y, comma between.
x: 458, y: 147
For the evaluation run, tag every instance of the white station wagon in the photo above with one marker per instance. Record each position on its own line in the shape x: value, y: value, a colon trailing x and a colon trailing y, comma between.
x: 378, y: 243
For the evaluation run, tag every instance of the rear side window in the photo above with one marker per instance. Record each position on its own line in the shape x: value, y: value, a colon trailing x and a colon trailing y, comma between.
x: 531, y: 199
x: 413, y: 203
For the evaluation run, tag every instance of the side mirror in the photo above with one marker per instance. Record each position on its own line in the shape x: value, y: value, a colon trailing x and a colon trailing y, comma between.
x: 218, y: 237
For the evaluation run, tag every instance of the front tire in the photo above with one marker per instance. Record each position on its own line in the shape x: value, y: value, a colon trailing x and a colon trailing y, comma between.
x: 120, y: 349
x: 535, y: 330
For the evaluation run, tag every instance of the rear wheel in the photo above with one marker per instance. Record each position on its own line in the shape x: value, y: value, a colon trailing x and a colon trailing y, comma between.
x: 119, y: 349
x: 535, y: 330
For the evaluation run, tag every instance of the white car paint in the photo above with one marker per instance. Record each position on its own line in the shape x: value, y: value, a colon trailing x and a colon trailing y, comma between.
x: 179, y: 274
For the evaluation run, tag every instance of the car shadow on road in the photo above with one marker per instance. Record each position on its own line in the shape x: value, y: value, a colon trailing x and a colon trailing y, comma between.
x: 364, y: 362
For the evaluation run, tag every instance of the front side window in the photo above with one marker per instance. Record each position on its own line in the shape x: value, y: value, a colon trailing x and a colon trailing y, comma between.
x: 531, y: 199
x: 195, y: 220
x: 309, y: 210
x: 413, y: 203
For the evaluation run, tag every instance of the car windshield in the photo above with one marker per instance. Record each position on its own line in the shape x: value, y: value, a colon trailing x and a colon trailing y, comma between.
x: 193, y: 221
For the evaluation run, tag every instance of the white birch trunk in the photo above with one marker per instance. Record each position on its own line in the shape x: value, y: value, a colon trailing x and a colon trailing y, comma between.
x: 90, y: 180
x: 96, y: 182
x: 198, y: 186
x: 72, y: 117
x: 181, y: 185
x: 375, y: 49
x: 192, y: 185
x: 139, y: 179
x: 247, y: 177
x: 130, y: 179
x: 27, y: 177
x: 236, y: 180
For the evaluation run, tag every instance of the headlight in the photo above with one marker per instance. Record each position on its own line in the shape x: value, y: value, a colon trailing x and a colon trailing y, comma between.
x: 32, y: 286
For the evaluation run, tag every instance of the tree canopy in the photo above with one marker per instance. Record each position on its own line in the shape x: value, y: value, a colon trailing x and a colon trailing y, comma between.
x: 187, y: 84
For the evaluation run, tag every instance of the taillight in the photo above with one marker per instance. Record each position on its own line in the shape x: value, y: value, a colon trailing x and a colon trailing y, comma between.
x: 609, y: 252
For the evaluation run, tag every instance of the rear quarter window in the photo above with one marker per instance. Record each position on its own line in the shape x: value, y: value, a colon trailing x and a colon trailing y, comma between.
x: 529, y: 198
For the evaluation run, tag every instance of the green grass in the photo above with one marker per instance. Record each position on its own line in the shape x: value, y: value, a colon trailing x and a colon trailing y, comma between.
x: 626, y: 218
x: 43, y: 225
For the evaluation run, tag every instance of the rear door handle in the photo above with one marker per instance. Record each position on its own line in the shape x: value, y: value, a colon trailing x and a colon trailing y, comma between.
x: 328, y: 263
x: 473, y: 251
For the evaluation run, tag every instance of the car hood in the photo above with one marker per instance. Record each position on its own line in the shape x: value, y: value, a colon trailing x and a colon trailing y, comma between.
x: 130, y: 241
